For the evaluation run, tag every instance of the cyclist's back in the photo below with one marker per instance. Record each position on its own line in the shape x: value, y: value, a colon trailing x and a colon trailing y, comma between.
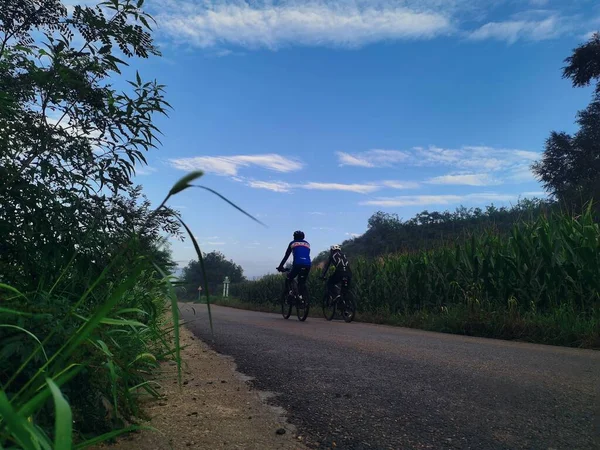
x: 300, y: 249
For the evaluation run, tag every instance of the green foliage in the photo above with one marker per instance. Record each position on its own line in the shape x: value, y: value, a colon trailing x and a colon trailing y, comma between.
x: 570, y: 167
x: 387, y: 233
x: 217, y: 267
x: 542, y: 272
x: 69, y: 141
x: 83, y: 320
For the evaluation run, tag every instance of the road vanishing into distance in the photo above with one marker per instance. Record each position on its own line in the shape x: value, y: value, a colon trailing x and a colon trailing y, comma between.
x: 364, y: 386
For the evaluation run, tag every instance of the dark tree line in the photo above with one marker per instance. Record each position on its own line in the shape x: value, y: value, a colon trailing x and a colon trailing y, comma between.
x: 388, y: 233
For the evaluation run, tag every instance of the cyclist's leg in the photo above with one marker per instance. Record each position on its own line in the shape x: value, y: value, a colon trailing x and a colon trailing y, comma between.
x: 331, y: 284
x: 303, y: 272
x: 290, y: 277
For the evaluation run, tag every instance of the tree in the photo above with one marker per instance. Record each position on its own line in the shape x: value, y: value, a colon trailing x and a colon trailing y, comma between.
x: 217, y: 268
x: 70, y: 141
x: 570, y: 166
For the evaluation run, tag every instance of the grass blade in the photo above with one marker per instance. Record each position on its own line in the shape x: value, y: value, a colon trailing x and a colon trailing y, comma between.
x: 225, y: 199
x: 63, y: 432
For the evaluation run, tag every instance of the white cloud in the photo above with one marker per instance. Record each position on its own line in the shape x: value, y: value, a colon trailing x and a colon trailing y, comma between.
x: 467, y: 179
x: 589, y: 35
x: 316, y: 213
x: 419, y: 200
x: 497, y: 163
x: 353, y: 235
x: 275, y: 186
x: 322, y: 228
x: 230, y: 165
x: 484, y: 165
x: 539, y: 194
x: 513, y: 30
x: 401, y: 184
x: 372, y: 158
x: 263, y: 24
x: 214, y: 243
x: 358, y: 188
x: 147, y: 170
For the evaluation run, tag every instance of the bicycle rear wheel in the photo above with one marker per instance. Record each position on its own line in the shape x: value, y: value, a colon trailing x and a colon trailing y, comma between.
x: 348, y: 308
x: 302, y: 304
x: 286, y: 307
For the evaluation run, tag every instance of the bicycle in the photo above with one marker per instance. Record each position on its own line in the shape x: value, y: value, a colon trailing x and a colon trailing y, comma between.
x: 342, y: 300
x: 293, y: 297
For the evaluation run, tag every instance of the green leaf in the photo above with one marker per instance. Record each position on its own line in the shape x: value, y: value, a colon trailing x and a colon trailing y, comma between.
x: 230, y: 202
x: 175, y: 314
x: 29, y: 333
x: 44, y: 392
x: 17, y: 426
x: 6, y: 287
x: 117, y: 322
x: 184, y: 182
x: 63, y: 430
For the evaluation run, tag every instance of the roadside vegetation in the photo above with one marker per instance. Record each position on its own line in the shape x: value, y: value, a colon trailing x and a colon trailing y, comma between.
x: 87, y: 307
x: 538, y: 283
x: 529, y: 272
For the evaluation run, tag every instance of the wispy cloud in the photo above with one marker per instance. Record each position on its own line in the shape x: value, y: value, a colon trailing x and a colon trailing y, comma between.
x: 358, y: 188
x: 534, y: 29
x: 353, y: 235
x: 230, y: 165
x: 316, y: 213
x: 264, y: 24
x: 420, y: 200
x: 145, y: 170
x: 275, y: 186
x: 467, y: 179
x: 372, y: 158
x: 323, y: 228
x: 473, y: 165
x: 401, y: 184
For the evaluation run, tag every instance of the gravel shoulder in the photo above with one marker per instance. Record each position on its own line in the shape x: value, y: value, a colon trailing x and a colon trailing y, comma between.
x: 216, y: 408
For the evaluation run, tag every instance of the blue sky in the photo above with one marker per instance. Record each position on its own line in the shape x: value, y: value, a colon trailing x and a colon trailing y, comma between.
x: 314, y: 115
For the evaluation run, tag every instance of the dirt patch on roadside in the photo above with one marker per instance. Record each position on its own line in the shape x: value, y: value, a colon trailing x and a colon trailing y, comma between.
x: 216, y: 408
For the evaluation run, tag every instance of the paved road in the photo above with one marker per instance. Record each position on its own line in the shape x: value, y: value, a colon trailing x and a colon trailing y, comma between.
x: 365, y: 386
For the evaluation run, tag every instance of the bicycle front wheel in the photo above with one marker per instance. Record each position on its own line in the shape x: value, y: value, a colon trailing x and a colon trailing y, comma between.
x: 328, y: 307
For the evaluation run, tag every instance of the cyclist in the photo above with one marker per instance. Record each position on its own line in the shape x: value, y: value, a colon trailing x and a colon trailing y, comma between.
x: 300, y: 248
x: 342, y: 269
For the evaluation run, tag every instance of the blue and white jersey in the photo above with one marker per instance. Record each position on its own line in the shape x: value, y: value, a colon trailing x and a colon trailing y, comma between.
x: 301, y: 252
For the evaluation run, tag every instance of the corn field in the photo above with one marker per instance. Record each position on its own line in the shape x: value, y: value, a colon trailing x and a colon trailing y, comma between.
x: 546, y: 268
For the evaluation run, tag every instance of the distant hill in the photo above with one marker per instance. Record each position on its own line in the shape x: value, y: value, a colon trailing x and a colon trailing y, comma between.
x: 387, y: 233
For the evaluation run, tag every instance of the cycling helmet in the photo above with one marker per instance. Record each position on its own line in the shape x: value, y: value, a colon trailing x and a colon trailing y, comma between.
x: 298, y: 235
x: 335, y: 248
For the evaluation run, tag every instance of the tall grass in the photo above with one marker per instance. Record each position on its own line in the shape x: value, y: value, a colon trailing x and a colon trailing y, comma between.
x: 541, y: 282
x: 77, y: 352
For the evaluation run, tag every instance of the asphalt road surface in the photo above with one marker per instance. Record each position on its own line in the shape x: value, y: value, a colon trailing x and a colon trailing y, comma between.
x: 363, y: 386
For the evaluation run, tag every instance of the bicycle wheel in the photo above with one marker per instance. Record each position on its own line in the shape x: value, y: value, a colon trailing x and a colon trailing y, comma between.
x: 302, y: 304
x: 286, y: 307
x: 328, y: 307
x: 349, y: 308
